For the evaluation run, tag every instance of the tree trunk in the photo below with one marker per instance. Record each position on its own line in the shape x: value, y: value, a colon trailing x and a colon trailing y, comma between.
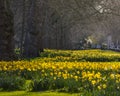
x: 6, y: 31
x: 30, y: 45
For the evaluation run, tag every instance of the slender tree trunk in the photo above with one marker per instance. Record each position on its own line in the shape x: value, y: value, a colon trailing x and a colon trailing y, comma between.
x: 23, y: 30
x: 6, y: 31
x: 30, y: 44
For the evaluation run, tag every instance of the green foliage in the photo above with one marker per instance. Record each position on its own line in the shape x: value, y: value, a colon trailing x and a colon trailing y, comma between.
x: 41, y: 84
x: 29, y: 85
x: 17, y: 51
x: 79, y: 55
x: 10, y: 83
x: 65, y: 71
x: 55, y: 53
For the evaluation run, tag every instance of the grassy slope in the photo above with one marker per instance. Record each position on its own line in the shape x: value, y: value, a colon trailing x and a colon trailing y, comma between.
x: 80, y: 55
x: 22, y: 93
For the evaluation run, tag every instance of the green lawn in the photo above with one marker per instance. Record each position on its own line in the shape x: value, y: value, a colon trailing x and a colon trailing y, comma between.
x: 22, y: 93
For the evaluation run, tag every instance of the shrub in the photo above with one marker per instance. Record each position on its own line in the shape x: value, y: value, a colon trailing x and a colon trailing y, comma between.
x: 11, y: 83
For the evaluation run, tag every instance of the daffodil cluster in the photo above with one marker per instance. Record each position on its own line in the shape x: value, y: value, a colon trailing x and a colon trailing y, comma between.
x: 61, y: 72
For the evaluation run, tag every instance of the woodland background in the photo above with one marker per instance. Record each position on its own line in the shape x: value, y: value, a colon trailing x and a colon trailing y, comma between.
x: 32, y: 25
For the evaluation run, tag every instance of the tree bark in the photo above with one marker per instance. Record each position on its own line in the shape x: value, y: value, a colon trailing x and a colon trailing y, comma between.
x: 6, y: 31
x: 30, y: 44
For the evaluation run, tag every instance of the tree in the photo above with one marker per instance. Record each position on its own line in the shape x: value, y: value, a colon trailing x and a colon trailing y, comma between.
x: 26, y: 27
x: 6, y: 31
x: 30, y: 48
x: 60, y: 24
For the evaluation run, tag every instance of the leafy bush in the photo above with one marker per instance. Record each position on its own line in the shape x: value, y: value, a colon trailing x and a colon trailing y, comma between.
x: 41, y: 84
x: 29, y: 85
x: 11, y: 83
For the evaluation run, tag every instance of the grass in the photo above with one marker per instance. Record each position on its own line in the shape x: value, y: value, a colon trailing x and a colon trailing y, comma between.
x: 80, y: 55
x: 47, y: 93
